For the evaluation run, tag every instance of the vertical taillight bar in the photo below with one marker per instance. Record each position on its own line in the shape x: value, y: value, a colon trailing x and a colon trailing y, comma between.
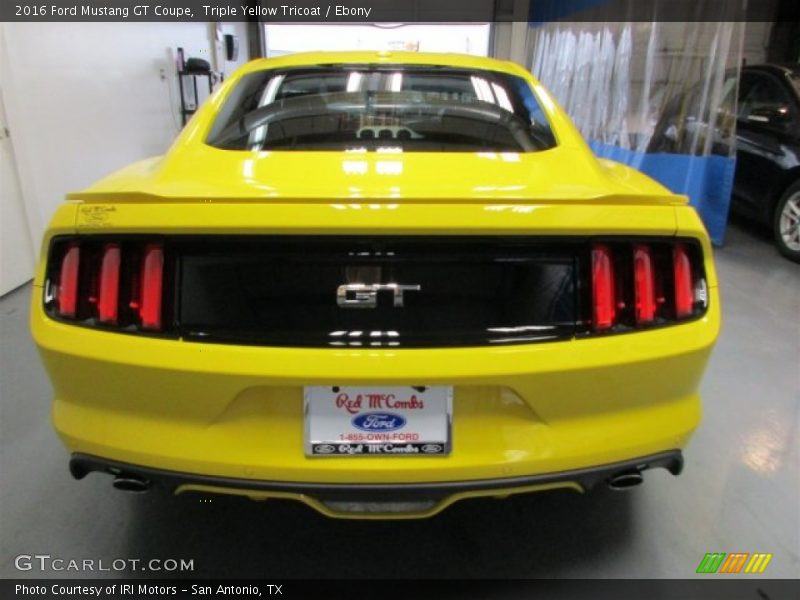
x: 644, y: 285
x: 604, y: 311
x: 684, y: 283
x: 151, y: 286
x: 67, y: 297
x: 108, y: 296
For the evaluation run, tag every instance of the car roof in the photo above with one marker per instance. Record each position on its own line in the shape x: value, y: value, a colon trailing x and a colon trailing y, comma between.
x: 793, y: 68
x: 776, y: 68
x: 386, y: 57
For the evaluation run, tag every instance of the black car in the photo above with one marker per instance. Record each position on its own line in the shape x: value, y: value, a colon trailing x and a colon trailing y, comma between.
x: 766, y: 117
x: 766, y: 186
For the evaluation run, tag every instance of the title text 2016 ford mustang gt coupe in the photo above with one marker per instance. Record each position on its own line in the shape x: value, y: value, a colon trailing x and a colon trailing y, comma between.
x: 376, y: 283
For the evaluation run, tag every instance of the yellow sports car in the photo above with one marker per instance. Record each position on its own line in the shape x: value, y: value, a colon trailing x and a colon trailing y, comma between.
x: 376, y: 283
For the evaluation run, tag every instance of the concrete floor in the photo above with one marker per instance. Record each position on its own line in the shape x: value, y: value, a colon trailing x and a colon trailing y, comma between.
x: 740, y: 491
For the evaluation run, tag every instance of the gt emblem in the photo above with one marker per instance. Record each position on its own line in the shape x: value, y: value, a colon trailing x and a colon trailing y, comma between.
x: 363, y: 295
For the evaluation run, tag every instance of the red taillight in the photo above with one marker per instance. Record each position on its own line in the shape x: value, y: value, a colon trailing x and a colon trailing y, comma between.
x: 109, y: 282
x: 67, y: 296
x: 644, y: 282
x: 684, y: 289
x: 108, y: 301
x: 151, y: 285
x: 604, y: 311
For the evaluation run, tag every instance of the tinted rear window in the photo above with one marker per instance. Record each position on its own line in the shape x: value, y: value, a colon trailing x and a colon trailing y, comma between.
x: 365, y: 107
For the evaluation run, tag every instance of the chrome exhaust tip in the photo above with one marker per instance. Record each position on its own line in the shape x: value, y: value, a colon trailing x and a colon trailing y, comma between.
x: 625, y: 481
x: 131, y: 483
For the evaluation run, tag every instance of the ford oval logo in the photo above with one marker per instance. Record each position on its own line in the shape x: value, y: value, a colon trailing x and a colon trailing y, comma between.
x: 432, y: 449
x: 324, y: 449
x: 376, y: 421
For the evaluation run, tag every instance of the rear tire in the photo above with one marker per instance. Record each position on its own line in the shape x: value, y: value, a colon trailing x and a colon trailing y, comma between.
x: 786, y: 225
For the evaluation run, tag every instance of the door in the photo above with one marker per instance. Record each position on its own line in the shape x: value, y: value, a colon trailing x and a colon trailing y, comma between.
x: 16, y: 249
x: 764, y: 124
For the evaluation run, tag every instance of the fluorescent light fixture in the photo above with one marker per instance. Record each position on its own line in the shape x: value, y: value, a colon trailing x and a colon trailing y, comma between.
x: 396, y: 82
x: 354, y: 81
x: 502, y: 97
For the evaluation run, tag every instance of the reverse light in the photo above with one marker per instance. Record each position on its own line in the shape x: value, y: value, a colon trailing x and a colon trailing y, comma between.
x: 604, y: 309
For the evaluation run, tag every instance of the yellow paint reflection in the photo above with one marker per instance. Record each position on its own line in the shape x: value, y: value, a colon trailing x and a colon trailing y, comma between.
x: 355, y: 167
x: 389, y: 167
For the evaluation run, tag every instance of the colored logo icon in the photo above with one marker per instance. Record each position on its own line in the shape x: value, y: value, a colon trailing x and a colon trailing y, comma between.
x: 734, y: 563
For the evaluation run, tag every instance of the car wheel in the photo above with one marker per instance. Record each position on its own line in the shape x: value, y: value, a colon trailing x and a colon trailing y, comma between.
x: 787, y: 223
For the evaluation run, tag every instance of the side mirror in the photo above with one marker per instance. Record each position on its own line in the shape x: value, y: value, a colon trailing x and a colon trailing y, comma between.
x: 773, y: 115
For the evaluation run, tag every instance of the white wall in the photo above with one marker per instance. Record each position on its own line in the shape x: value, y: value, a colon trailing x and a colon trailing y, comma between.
x: 469, y: 38
x: 16, y: 247
x: 84, y: 99
x: 240, y: 31
x: 756, y: 40
x: 510, y: 36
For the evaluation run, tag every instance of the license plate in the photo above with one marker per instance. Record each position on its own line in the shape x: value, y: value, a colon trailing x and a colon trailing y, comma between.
x: 378, y: 421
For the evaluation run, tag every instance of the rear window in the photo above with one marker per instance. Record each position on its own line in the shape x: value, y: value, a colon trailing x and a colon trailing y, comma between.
x: 366, y: 107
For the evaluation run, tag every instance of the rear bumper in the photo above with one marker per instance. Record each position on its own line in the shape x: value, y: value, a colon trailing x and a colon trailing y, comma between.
x: 373, y: 500
x: 237, y: 411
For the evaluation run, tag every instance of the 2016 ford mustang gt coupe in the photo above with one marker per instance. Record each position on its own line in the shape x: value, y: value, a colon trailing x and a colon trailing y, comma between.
x: 376, y: 283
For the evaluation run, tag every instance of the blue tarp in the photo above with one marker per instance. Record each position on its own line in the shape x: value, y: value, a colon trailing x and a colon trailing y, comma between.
x: 707, y: 180
x: 572, y: 58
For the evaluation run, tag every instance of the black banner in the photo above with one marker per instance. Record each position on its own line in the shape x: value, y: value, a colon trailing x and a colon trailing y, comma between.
x: 754, y: 588
x: 283, y: 11
x: 389, y: 11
